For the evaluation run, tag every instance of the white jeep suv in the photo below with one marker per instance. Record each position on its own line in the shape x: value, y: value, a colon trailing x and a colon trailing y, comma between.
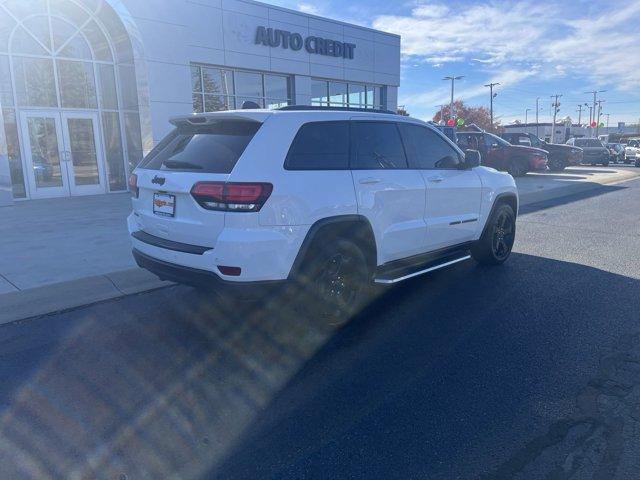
x: 328, y: 200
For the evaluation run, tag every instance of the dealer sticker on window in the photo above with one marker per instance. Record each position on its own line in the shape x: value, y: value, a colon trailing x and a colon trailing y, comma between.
x: 164, y: 204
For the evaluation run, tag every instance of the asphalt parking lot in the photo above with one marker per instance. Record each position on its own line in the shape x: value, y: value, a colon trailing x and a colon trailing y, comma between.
x: 524, y: 371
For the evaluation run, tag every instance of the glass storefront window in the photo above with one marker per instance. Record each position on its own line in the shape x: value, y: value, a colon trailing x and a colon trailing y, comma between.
x: 319, y: 92
x: 34, y: 80
x: 338, y: 94
x: 61, y: 56
x: 341, y: 94
x: 77, y: 84
x: 6, y: 90
x: 13, y: 150
x: 114, y: 152
x: 216, y: 89
x: 107, y: 81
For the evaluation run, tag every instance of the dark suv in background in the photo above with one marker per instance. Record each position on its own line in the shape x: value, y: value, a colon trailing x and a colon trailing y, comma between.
x: 501, y: 155
x: 594, y: 151
x: 560, y: 156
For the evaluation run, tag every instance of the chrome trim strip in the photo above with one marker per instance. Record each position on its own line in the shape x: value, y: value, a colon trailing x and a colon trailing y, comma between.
x: 421, y: 272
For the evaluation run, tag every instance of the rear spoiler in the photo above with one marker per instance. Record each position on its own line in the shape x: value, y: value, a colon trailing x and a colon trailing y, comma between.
x: 211, y: 118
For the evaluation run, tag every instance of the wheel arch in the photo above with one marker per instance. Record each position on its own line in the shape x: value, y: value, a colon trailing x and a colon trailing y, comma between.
x: 352, y: 227
x: 504, y: 198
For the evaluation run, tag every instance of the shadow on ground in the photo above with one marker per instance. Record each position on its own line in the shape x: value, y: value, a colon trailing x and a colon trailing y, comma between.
x: 170, y: 384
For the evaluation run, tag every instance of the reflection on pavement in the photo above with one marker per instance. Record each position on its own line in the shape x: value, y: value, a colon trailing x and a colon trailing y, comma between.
x: 128, y: 395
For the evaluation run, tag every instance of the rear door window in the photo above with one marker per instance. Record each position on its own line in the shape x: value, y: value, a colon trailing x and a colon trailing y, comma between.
x: 320, y: 146
x: 213, y: 148
x: 377, y: 146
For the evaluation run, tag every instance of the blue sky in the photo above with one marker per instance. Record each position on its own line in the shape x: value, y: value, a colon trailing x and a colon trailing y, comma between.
x: 533, y: 48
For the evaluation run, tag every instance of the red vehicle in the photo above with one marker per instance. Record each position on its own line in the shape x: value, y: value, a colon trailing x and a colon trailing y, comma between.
x: 501, y: 155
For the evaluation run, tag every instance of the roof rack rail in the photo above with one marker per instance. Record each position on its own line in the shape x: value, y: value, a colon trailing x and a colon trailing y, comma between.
x: 301, y: 108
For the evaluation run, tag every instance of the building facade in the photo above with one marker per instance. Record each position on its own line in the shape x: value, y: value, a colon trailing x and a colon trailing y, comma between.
x: 87, y: 86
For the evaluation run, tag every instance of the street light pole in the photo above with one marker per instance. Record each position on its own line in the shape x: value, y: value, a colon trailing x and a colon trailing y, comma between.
x: 556, y: 108
x: 453, y: 79
x: 491, y: 95
x: 579, y: 113
x: 593, y: 115
x: 537, y: 110
x: 526, y: 111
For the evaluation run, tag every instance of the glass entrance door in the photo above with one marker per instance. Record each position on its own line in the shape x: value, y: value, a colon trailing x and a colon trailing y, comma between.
x: 62, y: 153
x: 85, y: 167
x: 43, y: 148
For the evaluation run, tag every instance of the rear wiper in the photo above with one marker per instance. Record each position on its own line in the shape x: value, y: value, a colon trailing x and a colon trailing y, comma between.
x: 180, y: 164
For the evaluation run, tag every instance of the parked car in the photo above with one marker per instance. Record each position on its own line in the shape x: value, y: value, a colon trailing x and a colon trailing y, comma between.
x: 616, y: 152
x: 501, y: 155
x: 632, y: 151
x: 560, y: 156
x: 337, y: 205
x: 593, y: 150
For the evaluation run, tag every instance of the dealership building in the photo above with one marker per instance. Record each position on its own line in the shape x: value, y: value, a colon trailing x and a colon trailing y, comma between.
x: 88, y: 86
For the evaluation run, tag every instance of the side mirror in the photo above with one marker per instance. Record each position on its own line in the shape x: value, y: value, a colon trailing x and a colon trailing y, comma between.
x: 472, y: 159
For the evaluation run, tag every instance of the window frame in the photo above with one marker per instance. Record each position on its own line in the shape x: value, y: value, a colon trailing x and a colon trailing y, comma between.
x: 295, y: 137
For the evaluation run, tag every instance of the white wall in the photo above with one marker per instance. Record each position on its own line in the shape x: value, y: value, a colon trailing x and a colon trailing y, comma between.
x: 222, y: 32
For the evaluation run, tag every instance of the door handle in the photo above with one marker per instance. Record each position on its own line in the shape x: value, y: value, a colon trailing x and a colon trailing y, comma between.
x: 436, y: 179
x: 369, y: 181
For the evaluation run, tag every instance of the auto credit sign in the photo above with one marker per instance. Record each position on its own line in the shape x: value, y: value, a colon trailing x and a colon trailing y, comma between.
x: 270, y: 37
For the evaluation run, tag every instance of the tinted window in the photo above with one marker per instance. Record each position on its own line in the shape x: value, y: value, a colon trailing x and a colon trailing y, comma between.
x: 377, y: 145
x: 320, y: 146
x: 491, y: 139
x: 469, y: 141
x: 426, y: 149
x: 207, y: 148
x: 588, y: 142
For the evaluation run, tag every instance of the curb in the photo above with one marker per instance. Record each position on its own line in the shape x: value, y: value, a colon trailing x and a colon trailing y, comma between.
x: 572, y: 189
x: 58, y: 297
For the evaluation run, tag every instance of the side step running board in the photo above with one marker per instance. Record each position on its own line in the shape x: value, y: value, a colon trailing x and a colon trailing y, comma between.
x: 389, y: 281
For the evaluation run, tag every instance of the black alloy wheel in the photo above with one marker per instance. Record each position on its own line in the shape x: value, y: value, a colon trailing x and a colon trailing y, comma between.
x: 503, y: 235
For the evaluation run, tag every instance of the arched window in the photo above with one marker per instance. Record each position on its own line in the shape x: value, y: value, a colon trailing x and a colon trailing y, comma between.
x: 62, y: 56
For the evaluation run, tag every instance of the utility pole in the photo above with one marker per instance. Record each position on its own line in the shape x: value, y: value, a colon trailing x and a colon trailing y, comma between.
x: 590, y: 115
x: 491, y: 85
x: 537, y: 110
x: 579, y: 113
x: 442, y: 114
x: 453, y: 78
x: 595, y: 100
x: 598, y: 119
x: 526, y: 110
x: 556, y: 109
x: 607, y: 115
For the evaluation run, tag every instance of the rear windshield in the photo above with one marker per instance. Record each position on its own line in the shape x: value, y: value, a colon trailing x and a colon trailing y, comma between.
x: 588, y: 142
x: 213, y: 148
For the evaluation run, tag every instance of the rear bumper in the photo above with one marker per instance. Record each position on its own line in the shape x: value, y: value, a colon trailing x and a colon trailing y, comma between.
x: 203, y: 278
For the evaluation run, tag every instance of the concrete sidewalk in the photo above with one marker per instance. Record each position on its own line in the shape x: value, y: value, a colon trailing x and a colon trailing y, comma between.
x: 62, y: 253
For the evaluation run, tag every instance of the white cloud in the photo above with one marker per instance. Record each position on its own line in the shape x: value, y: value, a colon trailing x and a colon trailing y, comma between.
x: 600, y: 47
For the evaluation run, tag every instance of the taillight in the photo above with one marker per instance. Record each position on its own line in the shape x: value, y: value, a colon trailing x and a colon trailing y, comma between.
x: 133, y: 185
x: 231, y: 197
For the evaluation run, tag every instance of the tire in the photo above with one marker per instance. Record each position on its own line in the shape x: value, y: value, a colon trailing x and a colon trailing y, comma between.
x: 556, y: 165
x: 517, y: 167
x: 605, y: 164
x: 334, y: 280
x: 496, y: 242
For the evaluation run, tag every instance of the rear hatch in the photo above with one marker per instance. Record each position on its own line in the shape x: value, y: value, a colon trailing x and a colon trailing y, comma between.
x: 200, y: 149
